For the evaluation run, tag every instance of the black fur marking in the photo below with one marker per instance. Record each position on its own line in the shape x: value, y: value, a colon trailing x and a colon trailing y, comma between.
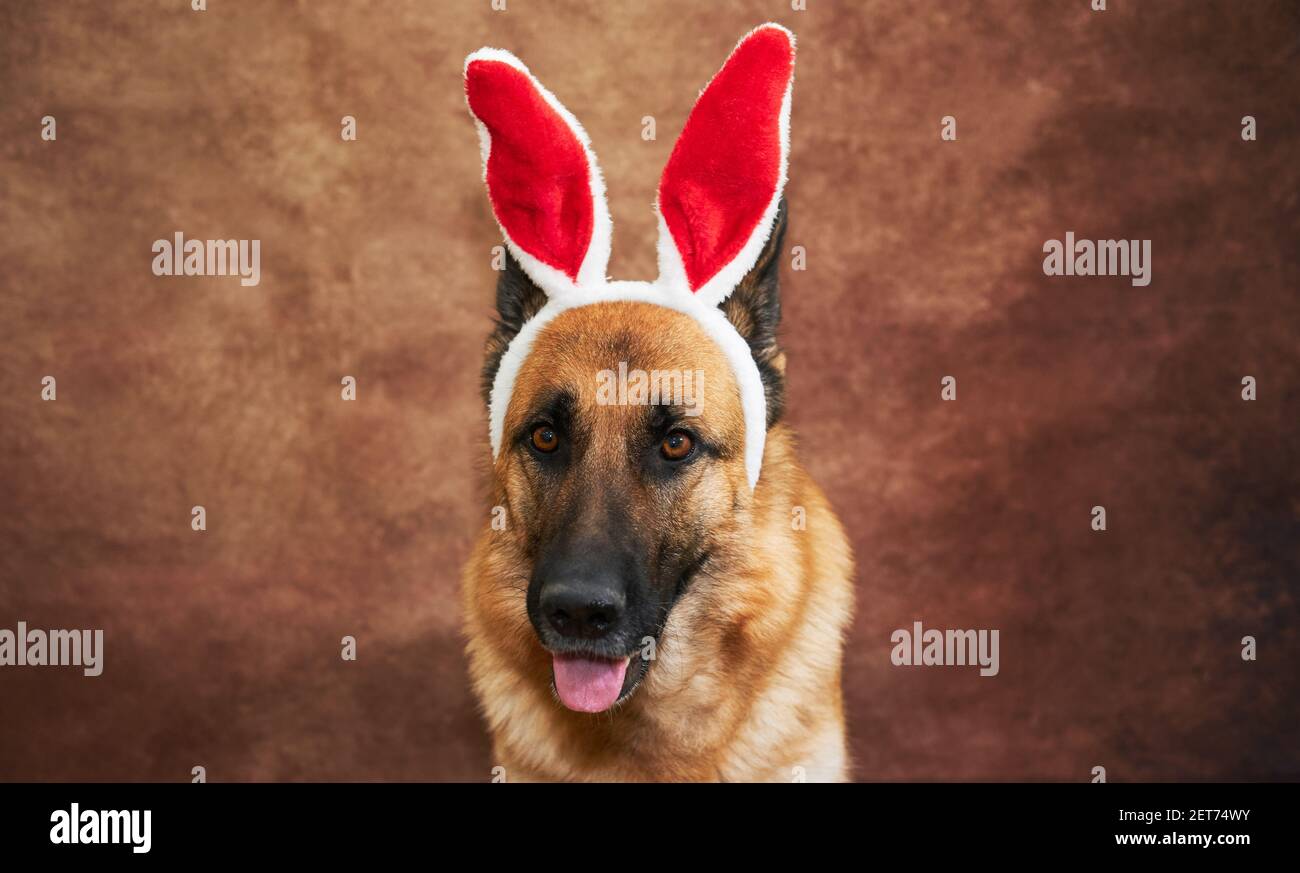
x: 754, y: 309
x: 518, y: 300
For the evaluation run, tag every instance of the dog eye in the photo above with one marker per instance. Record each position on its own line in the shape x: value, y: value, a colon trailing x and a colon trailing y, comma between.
x: 545, y: 439
x: 676, y: 446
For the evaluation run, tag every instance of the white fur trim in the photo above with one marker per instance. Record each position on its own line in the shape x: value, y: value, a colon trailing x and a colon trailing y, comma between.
x: 596, y: 260
x: 670, y: 290
x: 672, y: 271
x: 753, y: 401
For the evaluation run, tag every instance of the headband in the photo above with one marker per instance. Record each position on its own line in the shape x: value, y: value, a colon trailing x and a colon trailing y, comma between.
x: 717, y: 200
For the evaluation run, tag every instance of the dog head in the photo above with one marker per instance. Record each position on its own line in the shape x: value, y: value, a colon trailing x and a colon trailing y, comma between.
x: 628, y: 419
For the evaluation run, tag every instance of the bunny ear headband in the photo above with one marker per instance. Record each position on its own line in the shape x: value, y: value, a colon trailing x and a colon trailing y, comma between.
x: 718, y: 198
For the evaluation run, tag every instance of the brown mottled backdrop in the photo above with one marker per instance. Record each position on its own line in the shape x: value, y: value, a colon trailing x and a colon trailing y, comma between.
x: 328, y: 518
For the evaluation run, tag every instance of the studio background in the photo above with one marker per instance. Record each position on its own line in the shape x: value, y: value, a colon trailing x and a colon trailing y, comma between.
x: 329, y: 518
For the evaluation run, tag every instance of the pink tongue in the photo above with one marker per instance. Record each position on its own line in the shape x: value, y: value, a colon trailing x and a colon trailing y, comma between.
x: 588, y: 684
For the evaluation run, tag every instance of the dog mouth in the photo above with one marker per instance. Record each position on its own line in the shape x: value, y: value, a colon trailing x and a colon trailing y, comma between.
x: 587, y: 683
x: 590, y: 681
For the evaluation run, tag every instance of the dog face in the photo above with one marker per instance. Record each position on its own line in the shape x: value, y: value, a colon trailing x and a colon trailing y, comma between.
x: 616, y: 502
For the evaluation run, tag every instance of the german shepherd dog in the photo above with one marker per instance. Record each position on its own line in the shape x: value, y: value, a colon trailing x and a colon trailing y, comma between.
x: 639, y: 607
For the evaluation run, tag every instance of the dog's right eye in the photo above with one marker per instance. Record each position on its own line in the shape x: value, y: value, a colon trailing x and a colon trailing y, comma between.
x: 677, y: 446
x: 545, y: 439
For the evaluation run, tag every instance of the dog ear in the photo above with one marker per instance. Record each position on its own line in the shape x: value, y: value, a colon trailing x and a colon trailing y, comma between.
x: 754, y: 310
x: 518, y: 299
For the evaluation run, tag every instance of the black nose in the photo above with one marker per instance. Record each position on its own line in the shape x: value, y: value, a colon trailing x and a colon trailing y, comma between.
x: 582, y: 610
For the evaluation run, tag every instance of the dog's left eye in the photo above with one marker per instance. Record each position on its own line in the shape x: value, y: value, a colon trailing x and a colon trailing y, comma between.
x: 545, y: 439
x: 676, y: 446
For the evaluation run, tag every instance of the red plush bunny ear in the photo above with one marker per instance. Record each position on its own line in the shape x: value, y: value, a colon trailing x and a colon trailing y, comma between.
x: 721, y: 189
x: 541, y: 175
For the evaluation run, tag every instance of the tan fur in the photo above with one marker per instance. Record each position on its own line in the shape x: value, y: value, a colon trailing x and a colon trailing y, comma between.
x: 746, y: 682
